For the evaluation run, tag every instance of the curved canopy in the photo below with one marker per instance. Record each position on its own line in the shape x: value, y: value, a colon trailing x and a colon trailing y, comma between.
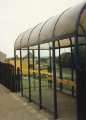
x: 68, y: 23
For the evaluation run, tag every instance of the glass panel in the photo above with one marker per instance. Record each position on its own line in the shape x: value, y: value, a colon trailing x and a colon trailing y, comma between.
x: 25, y: 81
x: 46, y: 79
x: 83, y: 20
x: 48, y: 28
x: 67, y: 22
x: 17, y: 42
x: 35, y: 33
x: 66, y: 70
x: 82, y: 40
x: 64, y: 43
x: 17, y: 68
x: 80, y: 30
x: 34, y: 76
x: 83, y: 56
x: 25, y: 37
x: 34, y: 47
x: 11, y: 61
x: 17, y: 59
x: 57, y: 68
x: 73, y: 40
x: 66, y: 85
x: 81, y: 75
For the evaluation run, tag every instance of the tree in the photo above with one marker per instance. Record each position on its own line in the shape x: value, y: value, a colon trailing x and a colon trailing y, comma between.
x: 65, y: 59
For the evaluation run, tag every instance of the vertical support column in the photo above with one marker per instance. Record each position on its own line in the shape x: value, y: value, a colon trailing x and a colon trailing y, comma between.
x: 33, y: 60
x: 78, y: 94
x: 21, y: 72
x: 50, y: 68
x: 72, y: 65
x: 40, y: 96
x: 33, y: 55
x: 60, y: 67
x: 15, y: 70
x: 29, y: 75
x: 80, y: 85
x: 54, y: 80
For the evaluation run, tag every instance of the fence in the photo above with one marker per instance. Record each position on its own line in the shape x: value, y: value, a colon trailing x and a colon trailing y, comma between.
x: 7, y: 76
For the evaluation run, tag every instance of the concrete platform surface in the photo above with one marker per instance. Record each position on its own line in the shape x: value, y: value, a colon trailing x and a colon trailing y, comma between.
x: 13, y: 107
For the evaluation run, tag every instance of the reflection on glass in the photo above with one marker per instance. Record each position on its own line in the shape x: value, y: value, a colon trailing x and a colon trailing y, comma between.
x: 17, y: 59
x: 25, y: 81
x: 82, y: 40
x: 46, y: 78
x: 34, y: 75
x: 66, y: 77
x: 17, y: 82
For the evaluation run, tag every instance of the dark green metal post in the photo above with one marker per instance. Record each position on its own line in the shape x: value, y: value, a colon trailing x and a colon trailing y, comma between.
x: 29, y: 75
x: 72, y: 65
x: 54, y: 80
x: 21, y: 72
x: 15, y: 69
x: 60, y: 67
x: 40, y: 96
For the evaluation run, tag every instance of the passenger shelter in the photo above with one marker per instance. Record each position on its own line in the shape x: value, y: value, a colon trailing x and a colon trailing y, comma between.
x: 53, y: 74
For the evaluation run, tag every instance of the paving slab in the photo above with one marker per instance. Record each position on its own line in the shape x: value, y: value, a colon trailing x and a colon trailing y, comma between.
x: 13, y: 107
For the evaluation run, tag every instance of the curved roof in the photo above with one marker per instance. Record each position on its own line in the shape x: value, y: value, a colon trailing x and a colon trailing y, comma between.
x: 66, y: 24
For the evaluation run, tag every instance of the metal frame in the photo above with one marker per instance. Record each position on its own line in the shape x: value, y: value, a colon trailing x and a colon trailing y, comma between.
x: 15, y: 67
x: 29, y: 76
x: 50, y: 69
x: 40, y: 93
x: 60, y: 65
x: 21, y: 72
x: 33, y: 57
x: 54, y: 78
x: 79, y: 101
x: 75, y: 35
x: 55, y: 102
x: 72, y: 71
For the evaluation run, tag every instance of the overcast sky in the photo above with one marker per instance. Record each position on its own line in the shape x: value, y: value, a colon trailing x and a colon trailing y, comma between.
x: 19, y: 15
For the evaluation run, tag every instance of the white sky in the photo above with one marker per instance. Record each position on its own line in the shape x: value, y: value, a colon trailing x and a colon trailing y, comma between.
x: 19, y: 15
